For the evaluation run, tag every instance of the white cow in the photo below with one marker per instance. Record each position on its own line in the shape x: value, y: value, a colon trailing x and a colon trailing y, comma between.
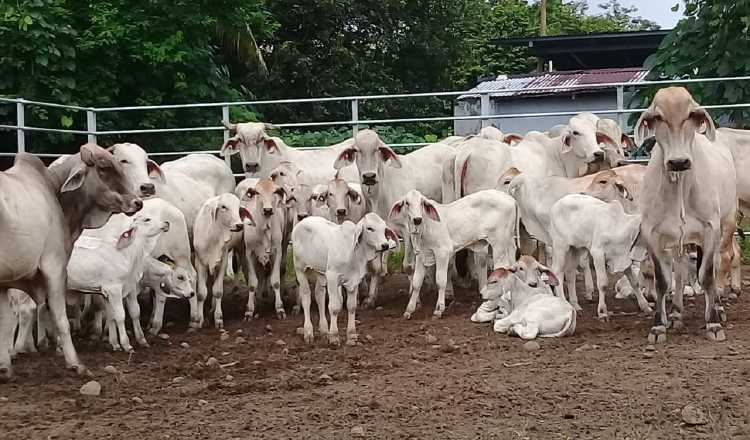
x: 111, y: 263
x: 581, y: 223
x: 217, y: 229
x: 526, y: 311
x: 689, y: 196
x: 438, y: 231
x: 261, y: 153
x: 337, y: 255
x: 263, y: 242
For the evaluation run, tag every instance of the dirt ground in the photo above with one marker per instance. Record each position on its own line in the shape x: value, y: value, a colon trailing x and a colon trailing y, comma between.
x: 596, y: 384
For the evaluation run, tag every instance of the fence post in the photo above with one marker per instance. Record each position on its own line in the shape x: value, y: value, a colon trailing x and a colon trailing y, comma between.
x: 485, y: 108
x: 21, y: 123
x: 355, y: 116
x: 91, y: 125
x: 621, y: 120
x: 225, y: 120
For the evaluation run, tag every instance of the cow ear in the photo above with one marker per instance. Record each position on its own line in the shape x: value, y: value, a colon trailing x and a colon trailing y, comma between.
x: 354, y: 195
x: 430, y: 210
x: 245, y: 215
x: 627, y: 143
x: 75, y: 179
x: 345, y: 158
x: 704, y: 123
x: 281, y: 192
x: 390, y: 234
x: 291, y: 201
x: 154, y: 171
x: 87, y: 154
x: 623, y: 191
x: 644, y: 128
x: 567, y: 139
x: 603, y: 138
x: 389, y: 157
x: 358, y: 233
x: 231, y: 146
x: 126, y: 238
x: 548, y: 276
x: 396, y: 209
x: 271, y: 146
x: 512, y: 139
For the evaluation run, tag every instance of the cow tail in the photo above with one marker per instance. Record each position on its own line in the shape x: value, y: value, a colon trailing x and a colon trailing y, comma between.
x: 460, y: 177
x: 569, y: 329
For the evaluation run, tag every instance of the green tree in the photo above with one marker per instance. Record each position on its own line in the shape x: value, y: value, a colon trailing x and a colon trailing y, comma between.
x: 712, y: 40
x: 625, y: 17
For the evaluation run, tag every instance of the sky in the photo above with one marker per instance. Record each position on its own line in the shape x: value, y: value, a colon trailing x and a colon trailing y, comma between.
x: 656, y: 10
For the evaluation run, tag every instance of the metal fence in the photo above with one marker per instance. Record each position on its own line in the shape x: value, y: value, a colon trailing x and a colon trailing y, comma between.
x: 92, y: 133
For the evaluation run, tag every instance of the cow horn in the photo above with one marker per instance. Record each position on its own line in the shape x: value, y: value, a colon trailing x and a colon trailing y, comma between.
x: 270, y: 126
x: 229, y: 126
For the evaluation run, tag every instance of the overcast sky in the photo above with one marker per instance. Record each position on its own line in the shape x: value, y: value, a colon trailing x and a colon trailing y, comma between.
x: 656, y: 10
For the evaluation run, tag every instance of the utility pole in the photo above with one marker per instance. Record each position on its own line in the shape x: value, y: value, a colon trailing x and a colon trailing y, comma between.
x: 542, y: 29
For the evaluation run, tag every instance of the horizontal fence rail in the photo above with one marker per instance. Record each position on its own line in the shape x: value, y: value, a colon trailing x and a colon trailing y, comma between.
x: 92, y: 133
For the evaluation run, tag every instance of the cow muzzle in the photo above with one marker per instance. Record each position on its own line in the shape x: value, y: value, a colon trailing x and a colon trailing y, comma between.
x: 267, y: 212
x: 679, y: 164
x: 135, y: 206
x: 369, y: 178
x: 236, y: 228
x: 252, y: 167
x: 147, y: 189
x: 301, y: 217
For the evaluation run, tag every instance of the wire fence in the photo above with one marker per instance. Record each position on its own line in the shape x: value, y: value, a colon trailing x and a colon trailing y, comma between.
x: 92, y: 132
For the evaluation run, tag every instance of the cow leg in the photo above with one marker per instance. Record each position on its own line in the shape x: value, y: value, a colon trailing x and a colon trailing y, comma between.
x: 636, y: 286
x: 334, y: 307
x: 115, y: 299
x: 320, y: 300
x: 6, y: 336
x: 42, y: 325
x: 374, y: 268
x: 157, y: 313
x: 559, y: 253
x: 55, y: 278
x: 441, y: 279
x: 680, y: 277
x: 134, y: 310
x: 600, y: 267
x: 662, y: 281
x: 736, y: 275
x: 588, y: 278
x: 724, y: 266
x: 101, y: 315
x: 416, y: 285
x: 25, y: 338
x: 714, y: 312
x: 217, y: 292
x: 480, y: 266
x: 571, y: 262
x: 351, y: 309
x: 525, y: 330
x: 504, y: 325
x: 276, y: 285
x: 303, y: 291
x: 252, y: 284
x: 196, y: 314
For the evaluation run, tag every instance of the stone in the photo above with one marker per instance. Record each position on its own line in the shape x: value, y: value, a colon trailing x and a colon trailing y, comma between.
x: 224, y: 336
x: 91, y: 388
x: 239, y: 331
x: 257, y: 362
x: 531, y: 346
x: 202, y: 402
x: 229, y: 378
x: 268, y: 328
x: 184, y: 345
x: 163, y: 336
x: 110, y: 369
x: 178, y: 379
x: 693, y: 415
x: 379, y: 308
x: 3, y: 399
x: 430, y: 339
x: 648, y: 354
x: 358, y: 431
x: 280, y: 342
x: 369, y: 338
x: 586, y: 347
x: 650, y: 347
x: 239, y: 340
x: 325, y: 377
x: 212, y: 362
x: 137, y: 400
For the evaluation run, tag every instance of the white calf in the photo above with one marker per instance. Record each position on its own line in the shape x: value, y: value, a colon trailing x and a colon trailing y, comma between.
x: 338, y: 255
x: 438, y: 231
x: 217, y: 229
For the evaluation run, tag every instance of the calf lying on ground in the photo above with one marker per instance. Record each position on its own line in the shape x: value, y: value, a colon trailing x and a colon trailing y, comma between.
x: 526, y: 311
x: 338, y: 256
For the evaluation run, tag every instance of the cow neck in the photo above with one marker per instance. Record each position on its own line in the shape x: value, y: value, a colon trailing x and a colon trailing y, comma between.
x: 77, y: 203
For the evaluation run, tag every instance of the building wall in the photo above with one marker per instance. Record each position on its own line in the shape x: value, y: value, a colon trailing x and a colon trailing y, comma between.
x: 543, y: 104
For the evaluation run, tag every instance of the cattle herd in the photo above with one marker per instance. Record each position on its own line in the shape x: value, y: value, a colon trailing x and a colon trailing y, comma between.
x: 87, y: 236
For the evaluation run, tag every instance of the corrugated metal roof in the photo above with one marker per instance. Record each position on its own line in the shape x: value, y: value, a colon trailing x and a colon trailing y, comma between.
x: 534, y: 84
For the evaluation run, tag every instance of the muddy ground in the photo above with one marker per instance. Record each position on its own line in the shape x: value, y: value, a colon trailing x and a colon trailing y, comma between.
x: 596, y: 384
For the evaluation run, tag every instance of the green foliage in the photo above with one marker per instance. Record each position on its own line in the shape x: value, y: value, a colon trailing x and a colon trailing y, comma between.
x: 625, y: 16
x: 712, y: 40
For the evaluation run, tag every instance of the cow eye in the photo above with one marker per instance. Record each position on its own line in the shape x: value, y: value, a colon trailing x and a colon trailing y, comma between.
x: 282, y: 174
x: 124, y: 161
x: 223, y: 207
x: 406, y: 203
x: 576, y: 133
x: 603, y: 182
x: 181, y: 278
x: 370, y: 229
x: 146, y: 220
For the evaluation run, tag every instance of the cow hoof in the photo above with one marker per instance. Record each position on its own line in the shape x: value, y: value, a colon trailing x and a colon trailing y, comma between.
x: 721, y: 312
x: 714, y: 332
x: 351, y: 342
x: 437, y: 314
x: 647, y: 311
x: 603, y: 317
x: 658, y: 335
x: 249, y: 315
x: 281, y: 314
x: 129, y: 349
x: 296, y: 310
x: 577, y: 308
x: 219, y: 324
x: 732, y: 296
x: 6, y: 374
x: 588, y: 296
x: 116, y: 348
x: 407, y: 315
x: 676, y: 324
x: 143, y: 343
x: 334, y: 340
x: 368, y: 304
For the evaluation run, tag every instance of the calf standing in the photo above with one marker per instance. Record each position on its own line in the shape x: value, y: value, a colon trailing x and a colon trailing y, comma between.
x: 437, y: 231
x: 217, y: 230
x: 338, y: 255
